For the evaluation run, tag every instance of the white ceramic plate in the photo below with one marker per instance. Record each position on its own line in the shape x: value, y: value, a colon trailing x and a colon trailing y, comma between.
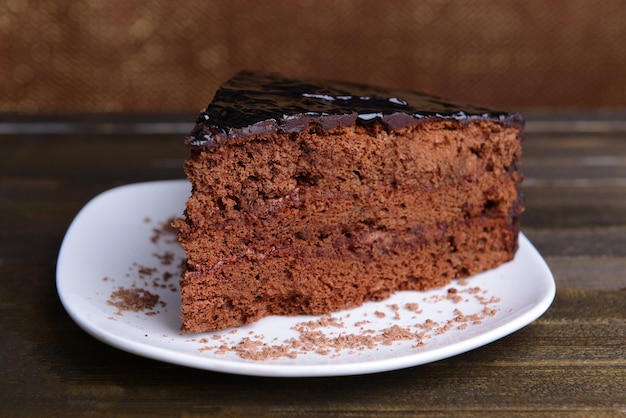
x: 117, y: 249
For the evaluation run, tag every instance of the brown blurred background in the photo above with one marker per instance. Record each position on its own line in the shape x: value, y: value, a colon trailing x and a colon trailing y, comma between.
x: 170, y: 56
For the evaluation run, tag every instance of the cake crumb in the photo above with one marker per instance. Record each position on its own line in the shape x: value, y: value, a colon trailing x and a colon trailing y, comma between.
x: 454, y: 296
x: 133, y: 299
x: 166, y: 258
x: 396, y: 310
x: 164, y: 231
x: 412, y: 306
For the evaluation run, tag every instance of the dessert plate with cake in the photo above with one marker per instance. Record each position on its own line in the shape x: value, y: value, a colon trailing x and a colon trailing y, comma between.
x: 324, y: 228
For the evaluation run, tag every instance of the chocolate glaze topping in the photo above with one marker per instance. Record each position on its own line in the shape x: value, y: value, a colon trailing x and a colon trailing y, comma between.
x: 253, y: 103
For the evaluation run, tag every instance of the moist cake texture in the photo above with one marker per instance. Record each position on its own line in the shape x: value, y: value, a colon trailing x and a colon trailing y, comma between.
x: 310, y: 197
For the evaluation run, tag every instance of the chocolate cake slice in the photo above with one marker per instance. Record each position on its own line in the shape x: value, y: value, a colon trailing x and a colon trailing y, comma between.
x: 310, y: 197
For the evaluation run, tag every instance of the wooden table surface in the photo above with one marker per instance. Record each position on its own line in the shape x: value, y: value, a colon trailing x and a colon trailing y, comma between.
x: 571, y: 361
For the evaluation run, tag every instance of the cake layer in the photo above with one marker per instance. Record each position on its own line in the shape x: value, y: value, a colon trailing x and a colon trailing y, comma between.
x: 246, y: 288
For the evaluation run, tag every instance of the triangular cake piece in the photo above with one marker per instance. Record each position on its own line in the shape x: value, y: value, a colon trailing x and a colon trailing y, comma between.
x: 310, y: 197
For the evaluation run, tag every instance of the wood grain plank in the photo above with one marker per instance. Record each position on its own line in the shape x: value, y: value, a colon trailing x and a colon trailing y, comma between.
x: 581, y: 243
x: 602, y: 273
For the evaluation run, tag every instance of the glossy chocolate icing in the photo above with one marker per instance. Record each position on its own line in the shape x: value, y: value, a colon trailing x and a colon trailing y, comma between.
x: 253, y: 103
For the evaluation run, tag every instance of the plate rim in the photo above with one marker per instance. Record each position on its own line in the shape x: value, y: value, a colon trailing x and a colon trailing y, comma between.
x: 260, y: 368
